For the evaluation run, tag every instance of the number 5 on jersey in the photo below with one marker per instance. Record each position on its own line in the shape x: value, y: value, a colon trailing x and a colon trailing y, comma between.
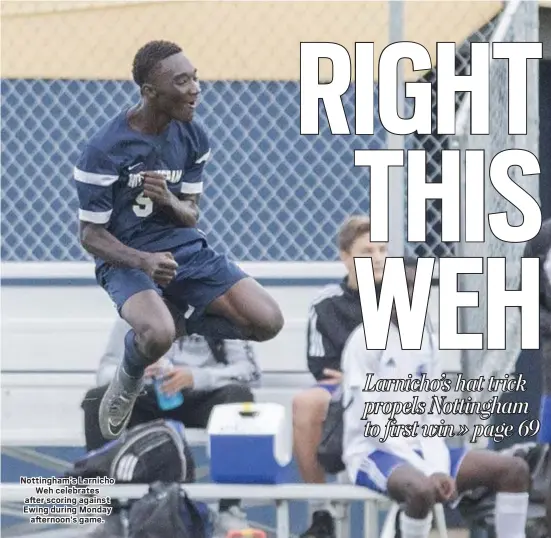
x: 143, y: 206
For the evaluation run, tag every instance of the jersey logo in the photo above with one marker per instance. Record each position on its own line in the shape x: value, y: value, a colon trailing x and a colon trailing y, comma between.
x: 171, y: 176
x: 130, y: 168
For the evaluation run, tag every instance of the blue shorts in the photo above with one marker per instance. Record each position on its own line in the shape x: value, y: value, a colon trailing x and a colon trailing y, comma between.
x: 379, y: 465
x: 202, y: 276
x: 329, y: 387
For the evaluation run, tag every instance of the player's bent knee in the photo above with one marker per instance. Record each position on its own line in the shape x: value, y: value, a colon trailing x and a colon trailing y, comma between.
x: 515, y: 476
x: 310, y: 405
x: 419, y: 497
x: 301, y: 407
x: 157, y: 339
x: 268, y: 326
x: 420, y: 500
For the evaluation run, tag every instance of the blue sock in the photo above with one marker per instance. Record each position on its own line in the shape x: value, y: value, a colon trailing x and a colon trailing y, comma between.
x: 544, y: 435
x: 134, y: 361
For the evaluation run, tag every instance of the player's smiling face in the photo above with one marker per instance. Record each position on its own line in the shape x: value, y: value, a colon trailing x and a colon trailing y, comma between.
x: 177, y: 88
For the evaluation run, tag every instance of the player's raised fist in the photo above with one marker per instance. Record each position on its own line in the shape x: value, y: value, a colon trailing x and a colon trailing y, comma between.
x: 155, y: 188
x: 161, y: 267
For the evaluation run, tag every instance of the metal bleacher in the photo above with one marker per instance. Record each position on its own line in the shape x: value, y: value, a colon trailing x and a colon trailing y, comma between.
x: 54, y: 346
x: 22, y: 443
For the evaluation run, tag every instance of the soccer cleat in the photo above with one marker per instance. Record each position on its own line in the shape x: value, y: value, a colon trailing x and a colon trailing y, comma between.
x: 117, y: 403
x: 323, y: 526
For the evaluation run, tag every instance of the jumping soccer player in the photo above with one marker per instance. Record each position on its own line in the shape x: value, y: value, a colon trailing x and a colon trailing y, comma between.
x: 540, y: 247
x: 412, y: 469
x: 139, y: 180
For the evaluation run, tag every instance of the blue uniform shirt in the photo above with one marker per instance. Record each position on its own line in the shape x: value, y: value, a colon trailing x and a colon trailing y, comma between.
x: 110, y: 190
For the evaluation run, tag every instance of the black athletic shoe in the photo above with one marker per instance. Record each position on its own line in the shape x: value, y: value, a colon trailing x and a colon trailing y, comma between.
x: 323, y: 526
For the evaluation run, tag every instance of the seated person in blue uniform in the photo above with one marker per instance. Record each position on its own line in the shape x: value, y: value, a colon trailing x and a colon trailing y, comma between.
x: 414, y: 470
x: 139, y: 180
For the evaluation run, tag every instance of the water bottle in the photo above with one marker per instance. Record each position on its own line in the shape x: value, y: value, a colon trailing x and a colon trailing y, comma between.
x: 166, y: 401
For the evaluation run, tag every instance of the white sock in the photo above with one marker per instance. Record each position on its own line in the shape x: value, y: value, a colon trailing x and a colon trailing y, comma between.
x: 415, y: 528
x: 315, y: 506
x: 510, y: 514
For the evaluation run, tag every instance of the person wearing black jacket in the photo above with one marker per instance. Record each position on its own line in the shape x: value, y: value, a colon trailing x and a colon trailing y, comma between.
x: 540, y: 247
x: 333, y: 315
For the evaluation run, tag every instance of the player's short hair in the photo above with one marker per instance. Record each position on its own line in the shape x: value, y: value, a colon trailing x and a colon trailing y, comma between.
x: 352, y: 228
x: 149, y: 56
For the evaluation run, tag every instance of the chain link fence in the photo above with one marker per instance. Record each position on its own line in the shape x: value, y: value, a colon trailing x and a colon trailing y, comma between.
x: 519, y: 23
x: 271, y: 194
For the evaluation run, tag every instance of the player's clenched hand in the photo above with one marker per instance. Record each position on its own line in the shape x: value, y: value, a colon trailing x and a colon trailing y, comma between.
x: 161, y: 267
x: 444, y: 487
x: 332, y: 376
x: 155, y: 188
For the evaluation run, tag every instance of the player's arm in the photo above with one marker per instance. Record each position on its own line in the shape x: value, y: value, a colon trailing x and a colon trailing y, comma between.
x: 95, y: 176
x: 99, y: 242
x: 183, y: 209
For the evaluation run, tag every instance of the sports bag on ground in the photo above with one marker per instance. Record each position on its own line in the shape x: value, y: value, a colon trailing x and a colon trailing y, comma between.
x: 147, y: 453
x: 166, y: 511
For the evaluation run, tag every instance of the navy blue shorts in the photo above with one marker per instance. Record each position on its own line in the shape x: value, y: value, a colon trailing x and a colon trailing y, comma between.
x: 329, y: 387
x: 202, y: 276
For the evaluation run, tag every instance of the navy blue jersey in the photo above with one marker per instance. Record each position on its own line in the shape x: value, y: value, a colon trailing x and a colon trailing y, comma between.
x: 109, y: 185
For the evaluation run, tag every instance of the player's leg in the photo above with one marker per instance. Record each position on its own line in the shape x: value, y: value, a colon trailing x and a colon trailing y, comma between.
x: 146, y: 409
x: 251, y: 308
x: 152, y: 333
x: 219, y: 299
x: 508, y: 477
x: 392, y: 476
x: 309, y: 411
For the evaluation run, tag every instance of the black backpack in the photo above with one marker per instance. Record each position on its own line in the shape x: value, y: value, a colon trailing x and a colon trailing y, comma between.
x: 154, y: 453
x: 330, y: 447
x: 167, y: 511
x: 147, y: 453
